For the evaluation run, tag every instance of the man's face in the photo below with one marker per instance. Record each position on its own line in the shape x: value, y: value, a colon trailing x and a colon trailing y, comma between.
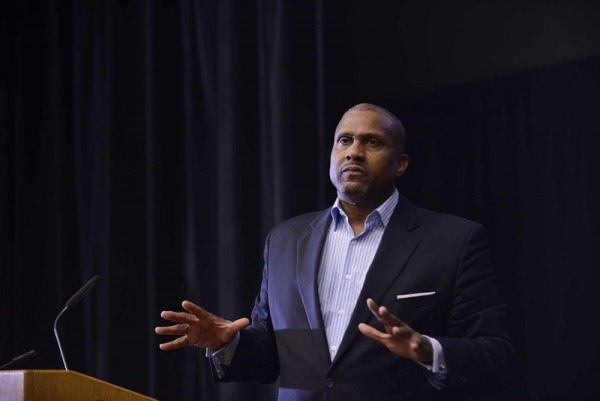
x: 365, y: 158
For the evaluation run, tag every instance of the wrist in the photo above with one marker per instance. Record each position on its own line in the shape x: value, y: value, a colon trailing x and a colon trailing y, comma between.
x: 425, y: 353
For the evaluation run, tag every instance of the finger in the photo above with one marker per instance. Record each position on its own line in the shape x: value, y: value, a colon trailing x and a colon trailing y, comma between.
x: 389, y: 319
x: 175, y: 330
x: 240, y: 324
x: 382, y: 315
x: 402, y: 331
x: 195, y: 309
x: 373, y: 307
x: 373, y: 333
x: 175, y: 344
x: 179, y: 317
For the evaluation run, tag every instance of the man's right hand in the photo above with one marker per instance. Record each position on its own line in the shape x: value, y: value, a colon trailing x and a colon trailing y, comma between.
x: 199, y: 328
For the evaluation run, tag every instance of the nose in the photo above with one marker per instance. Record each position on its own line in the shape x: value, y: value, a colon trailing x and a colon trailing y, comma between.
x: 355, y: 151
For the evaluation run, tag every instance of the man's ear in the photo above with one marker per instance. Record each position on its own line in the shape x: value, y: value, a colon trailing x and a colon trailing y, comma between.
x: 403, y: 160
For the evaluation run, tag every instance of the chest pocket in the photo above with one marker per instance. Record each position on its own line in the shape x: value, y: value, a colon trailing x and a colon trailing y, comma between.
x: 420, y: 301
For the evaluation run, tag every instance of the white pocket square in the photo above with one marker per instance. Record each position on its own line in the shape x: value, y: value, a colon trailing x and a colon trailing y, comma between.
x: 414, y: 295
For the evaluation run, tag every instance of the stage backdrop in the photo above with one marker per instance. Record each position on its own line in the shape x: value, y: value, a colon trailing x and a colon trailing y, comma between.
x: 155, y: 143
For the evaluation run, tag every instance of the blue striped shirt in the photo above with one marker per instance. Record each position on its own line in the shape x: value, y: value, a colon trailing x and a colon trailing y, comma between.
x: 344, y: 265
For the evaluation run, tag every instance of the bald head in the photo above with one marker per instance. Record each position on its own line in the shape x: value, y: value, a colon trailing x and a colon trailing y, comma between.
x: 396, y: 127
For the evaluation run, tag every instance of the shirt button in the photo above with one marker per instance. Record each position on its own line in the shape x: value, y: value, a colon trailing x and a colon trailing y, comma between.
x: 329, y: 383
x: 347, y: 277
x: 341, y: 312
x: 333, y: 348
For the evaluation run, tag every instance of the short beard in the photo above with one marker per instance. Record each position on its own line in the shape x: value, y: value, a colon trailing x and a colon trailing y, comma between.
x: 353, y: 190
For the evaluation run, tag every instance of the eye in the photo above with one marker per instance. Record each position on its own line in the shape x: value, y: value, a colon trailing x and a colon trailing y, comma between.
x: 345, y: 140
x: 372, y: 142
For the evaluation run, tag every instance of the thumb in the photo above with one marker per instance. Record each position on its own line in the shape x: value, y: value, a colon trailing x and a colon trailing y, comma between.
x: 240, y: 324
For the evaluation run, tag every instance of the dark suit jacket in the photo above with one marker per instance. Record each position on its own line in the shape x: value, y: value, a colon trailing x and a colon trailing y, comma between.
x: 421, y: 251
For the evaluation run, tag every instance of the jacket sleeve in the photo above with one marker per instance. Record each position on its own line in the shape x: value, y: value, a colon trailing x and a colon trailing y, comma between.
x: 256, y: 356
x: 478, y: 348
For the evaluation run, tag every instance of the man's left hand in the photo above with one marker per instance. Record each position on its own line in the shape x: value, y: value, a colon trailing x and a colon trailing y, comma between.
x: 399, y: 337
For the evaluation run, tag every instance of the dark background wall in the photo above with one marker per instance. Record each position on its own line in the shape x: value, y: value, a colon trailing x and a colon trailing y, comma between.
x: 410, y: 47
x: 155, y: 143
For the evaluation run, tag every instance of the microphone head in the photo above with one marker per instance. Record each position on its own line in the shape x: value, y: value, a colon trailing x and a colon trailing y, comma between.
x: 78, y: 296
x: 20, y: 359
x: 27, y: 356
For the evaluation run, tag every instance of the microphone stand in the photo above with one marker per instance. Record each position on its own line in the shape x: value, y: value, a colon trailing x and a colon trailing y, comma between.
x: 62, y: 355
x: 74, y: 300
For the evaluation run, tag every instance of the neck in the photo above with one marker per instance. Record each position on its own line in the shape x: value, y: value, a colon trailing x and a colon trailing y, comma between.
x: 357, y: 210
x: 356, y: 215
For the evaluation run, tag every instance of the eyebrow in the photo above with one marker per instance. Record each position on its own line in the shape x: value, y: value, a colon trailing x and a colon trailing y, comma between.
x: 365, y: 135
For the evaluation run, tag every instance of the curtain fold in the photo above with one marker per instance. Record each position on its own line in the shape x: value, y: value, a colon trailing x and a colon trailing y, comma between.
x: 149, y: 143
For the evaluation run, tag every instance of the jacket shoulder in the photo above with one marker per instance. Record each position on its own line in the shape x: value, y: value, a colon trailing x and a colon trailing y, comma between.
x: 438, y: 221
x: 301, y: 222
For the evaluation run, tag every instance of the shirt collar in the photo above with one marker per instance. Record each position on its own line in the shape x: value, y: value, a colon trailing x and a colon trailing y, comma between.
x: 384, y: 211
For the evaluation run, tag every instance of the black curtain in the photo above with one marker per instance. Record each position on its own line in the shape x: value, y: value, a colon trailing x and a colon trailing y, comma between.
x: 155, y: 143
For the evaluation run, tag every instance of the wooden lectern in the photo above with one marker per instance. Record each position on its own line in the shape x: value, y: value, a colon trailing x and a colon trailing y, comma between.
x: 60, y: 385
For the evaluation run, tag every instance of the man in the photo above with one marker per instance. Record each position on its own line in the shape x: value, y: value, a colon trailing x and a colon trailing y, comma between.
x: 370, y: 299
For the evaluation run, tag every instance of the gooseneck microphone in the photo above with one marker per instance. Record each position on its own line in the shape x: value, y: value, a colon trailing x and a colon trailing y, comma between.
x: 21, y: 358
x: 74, y: 300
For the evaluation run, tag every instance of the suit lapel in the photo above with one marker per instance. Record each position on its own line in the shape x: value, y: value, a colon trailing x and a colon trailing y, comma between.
x: 309, y: 251
x: 396, y: 247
